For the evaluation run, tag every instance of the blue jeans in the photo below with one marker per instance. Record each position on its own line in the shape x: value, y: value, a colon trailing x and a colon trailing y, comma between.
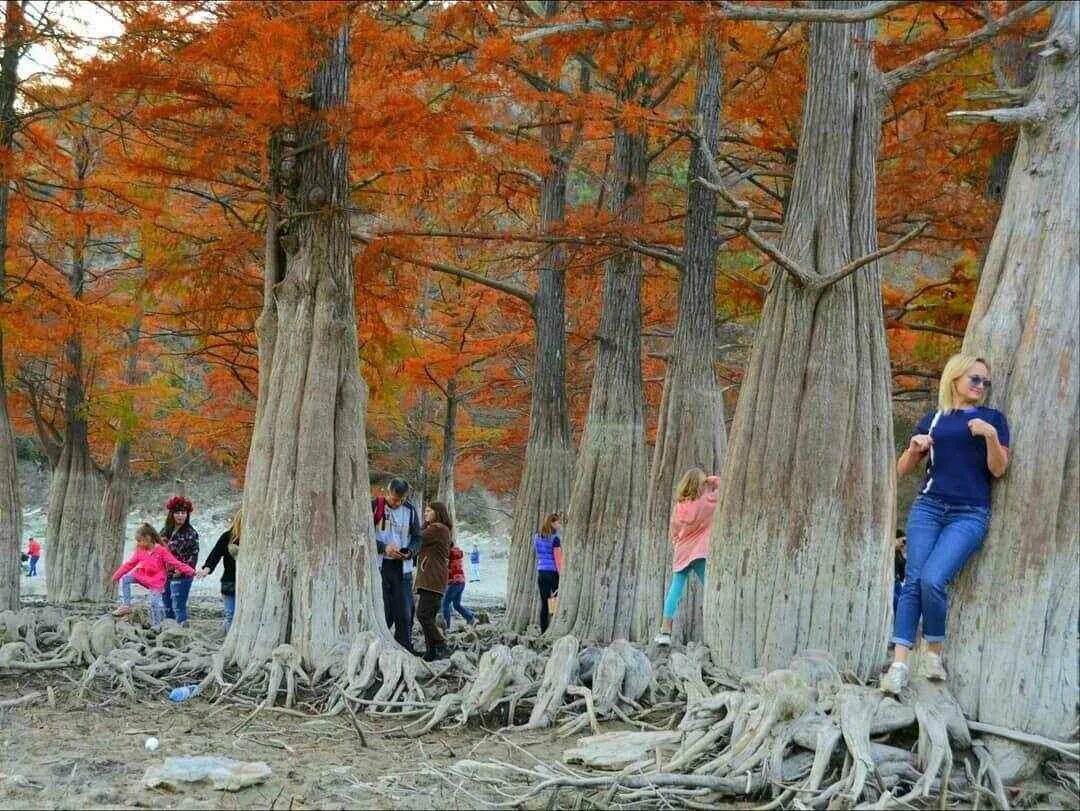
x: 678, y: 586
x: 452, y: 599
x: 230, y: 609
x: 33, y: 565
x: 940, y: 539
x: 154, y: 598
x: 175, y: 598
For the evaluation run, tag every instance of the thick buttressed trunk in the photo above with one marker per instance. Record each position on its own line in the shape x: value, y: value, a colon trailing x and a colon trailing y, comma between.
x: 10, y: 508
x: 307, y: 574
x: 607, y: 500
x: 116, y: 501
x: 449, y: 452
x: 549, y: 454
x: 74, y: 569
x: 690, y: 430
x: 799, y: 547
x: 1013, y: 645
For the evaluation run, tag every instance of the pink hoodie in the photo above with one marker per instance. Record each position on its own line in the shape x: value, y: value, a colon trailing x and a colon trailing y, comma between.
x: 690, y: 524
x: 151, y: 567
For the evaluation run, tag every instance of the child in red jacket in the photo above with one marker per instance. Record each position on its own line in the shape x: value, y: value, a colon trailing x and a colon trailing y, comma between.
x: 148, y: 567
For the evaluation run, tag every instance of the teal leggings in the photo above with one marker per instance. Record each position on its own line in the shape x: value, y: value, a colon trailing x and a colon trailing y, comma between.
x: 678, y: 586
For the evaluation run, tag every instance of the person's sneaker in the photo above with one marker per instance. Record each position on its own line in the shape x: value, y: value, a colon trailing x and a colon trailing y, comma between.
x: 896, y: 678
x: 930, y: 666
x: 122, y: 611
x: 663, y: 640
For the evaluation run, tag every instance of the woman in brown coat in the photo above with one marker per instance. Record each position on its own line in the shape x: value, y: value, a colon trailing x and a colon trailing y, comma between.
x: 434, y: 566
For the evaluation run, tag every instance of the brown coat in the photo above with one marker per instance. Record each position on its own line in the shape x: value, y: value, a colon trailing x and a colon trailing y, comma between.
x: 434, y: 562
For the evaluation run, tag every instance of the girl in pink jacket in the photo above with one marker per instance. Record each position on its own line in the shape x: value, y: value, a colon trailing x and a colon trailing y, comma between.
x: 691, y: 521
x: 148, y: 567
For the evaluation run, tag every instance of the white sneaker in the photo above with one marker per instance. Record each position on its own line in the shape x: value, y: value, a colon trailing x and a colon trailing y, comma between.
x: 896, y: 678
x: 663, y: 640
x: 930, y: 666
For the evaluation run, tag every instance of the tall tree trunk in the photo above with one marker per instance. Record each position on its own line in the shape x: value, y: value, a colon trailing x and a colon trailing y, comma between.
x: 449, y: 452
x: 10, y: 509
x: 74, y: 564
x: 1013, y: 643
x: 1014, y: 66
x: 116, y: 500
x: 607, y: 501
x: 549, y: 454
x: 690, y: 430
x: 798, y: 554
x: 307, y: 575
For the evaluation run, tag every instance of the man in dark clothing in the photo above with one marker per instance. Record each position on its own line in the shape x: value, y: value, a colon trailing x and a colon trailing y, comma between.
x: 397, y: 540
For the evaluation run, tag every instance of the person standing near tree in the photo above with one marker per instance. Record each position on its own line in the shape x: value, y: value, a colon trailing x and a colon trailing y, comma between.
x: 33, y: 552
x: 455, y: 587
x: 967, y: 447
x: 691, y: 520
x: 183, y: 543
x: 433, y: 567
x: 549, y: 563
x: 226, y: 551
x: 474, y: 563
x: 397, y: 540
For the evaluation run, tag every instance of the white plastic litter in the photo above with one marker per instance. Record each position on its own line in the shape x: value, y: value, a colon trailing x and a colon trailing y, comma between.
x: 152, y: 744
x: 223, y: 774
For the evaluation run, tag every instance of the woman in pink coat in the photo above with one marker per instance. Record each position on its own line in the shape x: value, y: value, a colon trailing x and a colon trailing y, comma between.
x: 149, y: 567
x: 689, y: 531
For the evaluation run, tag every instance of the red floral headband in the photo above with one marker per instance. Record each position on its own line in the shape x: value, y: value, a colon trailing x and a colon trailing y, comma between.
x: 179, y: 503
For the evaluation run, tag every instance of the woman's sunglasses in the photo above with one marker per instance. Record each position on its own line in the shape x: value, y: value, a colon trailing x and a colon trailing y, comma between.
x: 979, y: 382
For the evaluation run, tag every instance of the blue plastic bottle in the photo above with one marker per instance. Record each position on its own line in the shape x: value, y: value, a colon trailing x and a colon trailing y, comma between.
x: 179, y: 694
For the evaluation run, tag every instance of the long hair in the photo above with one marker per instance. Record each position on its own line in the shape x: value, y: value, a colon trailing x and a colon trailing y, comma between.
x: 690, y: 485
x: 173, y: 505
x: 547, y: 529
x: 955, y: 368
x: 442, y: 515
x: 237, y: 525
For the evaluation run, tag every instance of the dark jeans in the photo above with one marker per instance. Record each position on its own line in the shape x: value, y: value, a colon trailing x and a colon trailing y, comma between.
x: 940, y: 539
x: 452, y: 599
x: 33, y: 565
x: 549, y: 587
x: 426, y: 610
x: 175, y: 598
x: 397, y: 601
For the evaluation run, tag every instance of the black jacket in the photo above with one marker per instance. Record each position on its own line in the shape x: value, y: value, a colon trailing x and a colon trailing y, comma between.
x: 184, y: 544
x: 220, y: 552
x: 413, y: 549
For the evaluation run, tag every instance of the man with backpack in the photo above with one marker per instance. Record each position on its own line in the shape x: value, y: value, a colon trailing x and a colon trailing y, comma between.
x: 397, y: 540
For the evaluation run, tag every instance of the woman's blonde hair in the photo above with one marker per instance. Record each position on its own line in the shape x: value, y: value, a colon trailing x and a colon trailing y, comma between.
x: 237, y: 525
x: 955, y: 368
x: 690, y: 485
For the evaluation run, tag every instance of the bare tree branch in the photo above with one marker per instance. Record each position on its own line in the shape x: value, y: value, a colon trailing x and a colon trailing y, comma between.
x: 745, y: 11
x: 1033, y: 113
x: 851, y: 267
x: 495, y: 284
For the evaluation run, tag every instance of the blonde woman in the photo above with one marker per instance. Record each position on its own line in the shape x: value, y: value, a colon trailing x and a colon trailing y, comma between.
x: 226, y: 551
x: 966, y: 446
x: 689, y: 532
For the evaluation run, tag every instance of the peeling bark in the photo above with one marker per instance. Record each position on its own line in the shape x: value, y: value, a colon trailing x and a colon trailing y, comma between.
x: 1017, y: 667
x: 690, y: 429
x: 307, y: 574
x: 798, y: 554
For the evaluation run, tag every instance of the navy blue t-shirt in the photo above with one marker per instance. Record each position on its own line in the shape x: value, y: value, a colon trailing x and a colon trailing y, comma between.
x: 959, y: 473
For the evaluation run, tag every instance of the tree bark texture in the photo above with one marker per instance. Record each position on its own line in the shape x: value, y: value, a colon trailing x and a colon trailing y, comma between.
x: 449, y: 452
x: 74, y: 568
x: 307, y: 573
x: 1013, y: 646
x: 549, y: 454
x: 116, y: 500
x: 690, y: 429
x: 607, y: 501
x: 10, y: 508
x: 799, y: 548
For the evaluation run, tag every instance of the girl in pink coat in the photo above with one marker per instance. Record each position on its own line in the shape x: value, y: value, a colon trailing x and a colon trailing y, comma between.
x: 691, y: 521
x: 149, y: 567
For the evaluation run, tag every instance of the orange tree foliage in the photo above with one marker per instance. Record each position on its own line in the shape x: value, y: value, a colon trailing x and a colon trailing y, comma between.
x: 444, y: 124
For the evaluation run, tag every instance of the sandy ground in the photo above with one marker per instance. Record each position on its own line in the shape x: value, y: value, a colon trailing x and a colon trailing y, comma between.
x: 91, y: 753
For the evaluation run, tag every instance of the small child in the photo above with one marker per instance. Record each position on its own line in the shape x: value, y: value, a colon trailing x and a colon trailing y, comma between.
x: 148, y: 567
